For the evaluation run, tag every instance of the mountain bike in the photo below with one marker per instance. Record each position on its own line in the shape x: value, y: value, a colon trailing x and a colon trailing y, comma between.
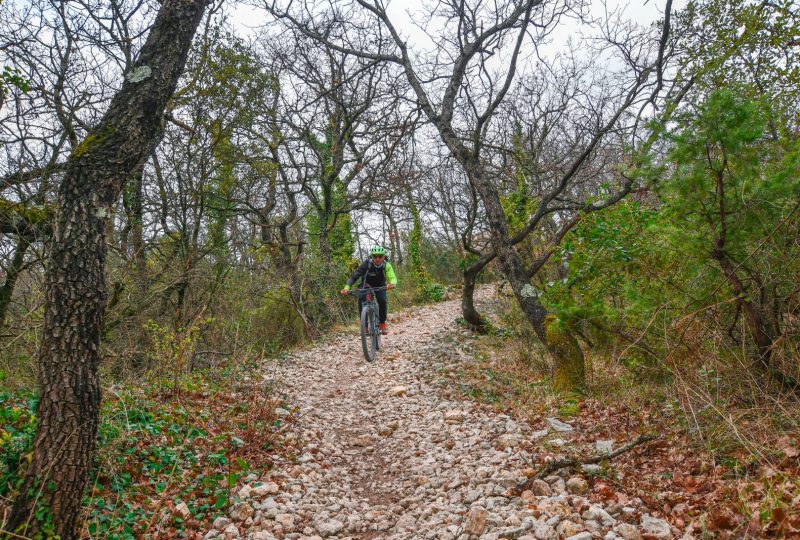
x: 370, y: 333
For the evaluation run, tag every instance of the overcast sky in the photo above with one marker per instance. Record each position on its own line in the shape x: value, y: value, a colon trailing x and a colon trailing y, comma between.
x: 403, y: 13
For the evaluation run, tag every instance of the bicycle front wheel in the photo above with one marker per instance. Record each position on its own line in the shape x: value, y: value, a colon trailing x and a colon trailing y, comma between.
x: 367, y: 333
x: 377, y: 330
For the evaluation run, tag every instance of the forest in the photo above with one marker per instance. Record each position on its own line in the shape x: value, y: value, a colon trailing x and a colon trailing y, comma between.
x: 593, y: 211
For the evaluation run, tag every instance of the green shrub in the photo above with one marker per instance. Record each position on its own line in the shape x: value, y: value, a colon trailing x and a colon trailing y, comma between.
x: 17, y: 430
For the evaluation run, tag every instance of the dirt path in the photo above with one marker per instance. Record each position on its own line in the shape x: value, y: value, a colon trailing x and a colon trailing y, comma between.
x: 386, y: 456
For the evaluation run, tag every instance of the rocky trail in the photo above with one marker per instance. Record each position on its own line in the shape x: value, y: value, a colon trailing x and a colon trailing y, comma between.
x: 385, y: 454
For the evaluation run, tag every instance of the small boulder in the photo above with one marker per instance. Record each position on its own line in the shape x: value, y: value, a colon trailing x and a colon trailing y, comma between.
x: 541, y: 488
x: 598, y: 514
x: 568, y: 528
x: 476, y: 520
x: 182, y: 510
x: 262, y: 490
x: 362, y: 440
x: 242, y: 512
x: 244, y: 493
x: 560, y: 426
x: 230, y: 532
x: 577, y: 485
x: 399, y: 390
x: 627, y: 531
x: 221, y: 522
x: 286, y: 521
x: 508, y: 440
x: 329, y: 528
x: 605, y: 446
x: 543, y: 531
x: 656, y: 528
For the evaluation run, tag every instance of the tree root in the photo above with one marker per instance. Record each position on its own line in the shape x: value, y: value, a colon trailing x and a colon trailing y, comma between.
x: 572, y: 462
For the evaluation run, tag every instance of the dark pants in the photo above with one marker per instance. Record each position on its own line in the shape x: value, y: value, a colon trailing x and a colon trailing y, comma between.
x: 380, y: 296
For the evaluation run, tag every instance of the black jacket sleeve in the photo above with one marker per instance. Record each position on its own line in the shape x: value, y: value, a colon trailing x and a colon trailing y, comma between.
x: 360, y: 271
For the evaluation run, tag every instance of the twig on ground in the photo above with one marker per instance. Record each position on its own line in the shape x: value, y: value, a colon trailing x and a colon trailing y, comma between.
x: 571, y: 462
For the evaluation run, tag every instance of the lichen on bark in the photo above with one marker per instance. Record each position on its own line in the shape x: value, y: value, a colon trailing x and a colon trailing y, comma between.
x: 569, y: 375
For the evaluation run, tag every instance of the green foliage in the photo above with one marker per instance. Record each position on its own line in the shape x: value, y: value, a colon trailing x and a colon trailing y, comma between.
x: 608, y: 256
x: 11, y: 78
x: 426, y: 289
x: 230, y: 91
x: 517, y: 204
x: 274, y: 324
x: 155, y: 449
x: 30, y: 213
x: 329, y: 225
x: 636, y: 270
x: 434, y: 292
x: 173, y: 349
x: 747, y: 45
x: 17, y: 430
x: 720, y: 161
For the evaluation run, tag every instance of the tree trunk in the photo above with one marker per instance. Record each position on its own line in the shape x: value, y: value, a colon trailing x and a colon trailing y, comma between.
x: 761, y: 329
x: 394, y: 238
x: 69, y: 385
x: 468, y: 310
x: 7, y: 290
x: 561, y: 344
x: 323, y: 239
x: 137, y: 228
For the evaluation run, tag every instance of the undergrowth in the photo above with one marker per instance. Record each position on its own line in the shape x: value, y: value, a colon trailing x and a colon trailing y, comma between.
x: 727, y: 455
x: 186, y: 440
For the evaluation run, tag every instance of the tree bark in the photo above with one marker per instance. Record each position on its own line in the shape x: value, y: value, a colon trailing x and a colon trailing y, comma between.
x: 468, y: 310
x: 137, y: 227
x: 69, y: 355
x: 762, y: 330
x: 561, y: 344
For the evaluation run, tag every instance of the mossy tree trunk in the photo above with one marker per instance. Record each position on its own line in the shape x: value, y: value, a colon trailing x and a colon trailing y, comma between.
x: 559, y: 342
x: 420, y: 276
x: 49, y: 501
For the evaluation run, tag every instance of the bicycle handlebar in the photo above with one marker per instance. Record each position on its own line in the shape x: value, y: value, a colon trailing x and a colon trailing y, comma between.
x: 368, y: 289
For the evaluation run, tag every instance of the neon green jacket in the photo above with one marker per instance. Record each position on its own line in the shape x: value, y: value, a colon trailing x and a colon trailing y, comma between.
x: 374, y: 276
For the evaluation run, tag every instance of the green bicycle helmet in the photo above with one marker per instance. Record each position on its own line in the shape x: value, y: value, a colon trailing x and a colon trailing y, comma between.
x: 377, y: 250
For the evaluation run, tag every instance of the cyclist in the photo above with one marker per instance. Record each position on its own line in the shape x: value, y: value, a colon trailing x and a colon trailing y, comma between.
x: 375, y: 271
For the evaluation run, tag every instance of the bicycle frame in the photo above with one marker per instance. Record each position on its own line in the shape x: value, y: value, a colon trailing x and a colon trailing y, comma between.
x: 370, y: 333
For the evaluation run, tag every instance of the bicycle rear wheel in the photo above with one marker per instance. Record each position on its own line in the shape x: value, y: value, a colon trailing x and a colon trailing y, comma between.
x: 368, y: 343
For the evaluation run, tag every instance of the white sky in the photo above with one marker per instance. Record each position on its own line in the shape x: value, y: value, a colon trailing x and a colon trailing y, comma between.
x: 248, y: 18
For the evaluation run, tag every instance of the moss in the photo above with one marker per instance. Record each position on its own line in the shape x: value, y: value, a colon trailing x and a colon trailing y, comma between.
x: 92, y: 140
x: 85, y: 145
x: 34, y: 215
x: 569, y: 408
x: 569, y: 373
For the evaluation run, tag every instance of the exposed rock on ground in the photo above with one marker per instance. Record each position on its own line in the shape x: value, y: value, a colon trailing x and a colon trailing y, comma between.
x: 384, y: 455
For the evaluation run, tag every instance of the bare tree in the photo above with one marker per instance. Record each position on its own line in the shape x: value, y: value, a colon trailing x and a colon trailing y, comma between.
x: 70, y: 54
x: 340, y: 119
x: 462, y: 87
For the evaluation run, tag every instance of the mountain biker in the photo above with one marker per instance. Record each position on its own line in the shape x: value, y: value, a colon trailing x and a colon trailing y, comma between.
x: 375, y: 271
